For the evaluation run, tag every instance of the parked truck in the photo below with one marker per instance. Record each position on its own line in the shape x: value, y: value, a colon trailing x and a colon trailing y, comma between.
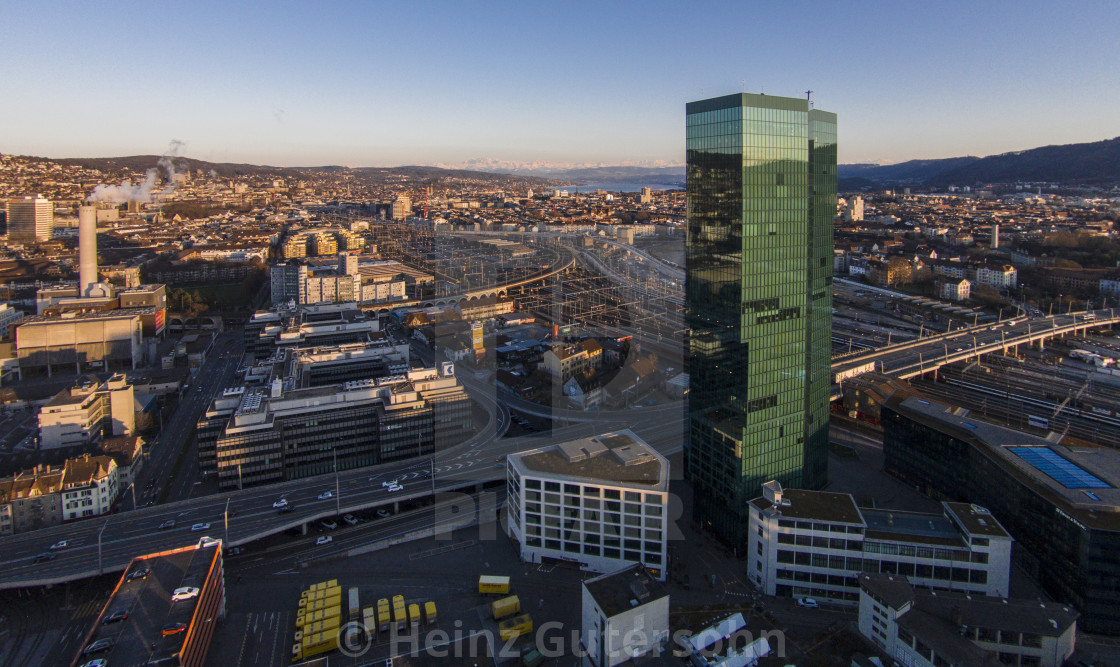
x: 430, y: 611
x: 316, y: 615
x: 400, y: 616
x: 324, y: 603
x: 414, y: 616
x: 355, y: 610
x: 490, y: 585
x: 317, y: 644
x: 515, y: 627
x: 383, y: 615
x: 505, y: 607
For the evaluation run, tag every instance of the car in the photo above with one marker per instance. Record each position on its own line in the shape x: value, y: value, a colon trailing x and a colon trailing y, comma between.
x: 99, y: 646
x: 396, y: 487
x: 44, y: 557
x: 809, y: 603
x: 97, y: 662
x: 326, y: 495
x: 326, y: 539
x: 141, y: 573
x: 328, y: 524
x: 384, y: 513
x: 279, y: 504
x: 115, y: 617
x: 172, y: 629
x: 286, y: 509
x: 199, y: 526
x: 61, y: 544
x: 350, y: 520
x: 391, y: 482
x: 184, y: 593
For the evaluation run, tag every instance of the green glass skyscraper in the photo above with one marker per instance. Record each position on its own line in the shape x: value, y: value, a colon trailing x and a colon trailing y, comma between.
x: 761, y: 180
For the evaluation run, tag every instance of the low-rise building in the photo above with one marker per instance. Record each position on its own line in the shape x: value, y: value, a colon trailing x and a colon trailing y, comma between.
x: 87, y: 412
x: 90, y: 485
x: 924, y: 628
x: 599, y: 502
x: 814, y: 543
x: 625, y: 616
x: 956, y: 290
x: 564, y: 361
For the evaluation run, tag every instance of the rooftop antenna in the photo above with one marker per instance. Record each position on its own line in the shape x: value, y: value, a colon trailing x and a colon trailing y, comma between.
x: 744, y: 82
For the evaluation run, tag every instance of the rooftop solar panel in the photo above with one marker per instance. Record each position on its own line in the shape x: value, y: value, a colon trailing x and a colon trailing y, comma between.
x: 1064, y: 472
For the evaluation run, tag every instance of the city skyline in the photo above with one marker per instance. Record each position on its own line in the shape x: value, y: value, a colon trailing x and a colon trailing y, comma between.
x: 384, y: 86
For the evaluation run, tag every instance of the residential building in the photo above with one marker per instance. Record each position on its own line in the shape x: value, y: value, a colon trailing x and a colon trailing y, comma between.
x: 31, y: 500
x: 924, y: 628
x: 566, y: 361
x: 1001, y: 277
x: 625, y: 616
x: 90, y: 485
x: 816, y: 544
x: 1059, y: 502
x: 144, y: 638
x: 87, y: 412
x: 30, y: 219
x: 761, y: 183
x: 599, y: 502
x: 401, y: 208
x: 956, y: 290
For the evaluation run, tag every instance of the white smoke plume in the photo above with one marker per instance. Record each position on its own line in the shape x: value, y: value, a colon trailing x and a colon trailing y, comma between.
x: 141, y: 192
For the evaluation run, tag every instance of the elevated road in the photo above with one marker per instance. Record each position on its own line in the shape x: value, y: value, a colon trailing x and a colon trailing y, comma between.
x: 917, y: 357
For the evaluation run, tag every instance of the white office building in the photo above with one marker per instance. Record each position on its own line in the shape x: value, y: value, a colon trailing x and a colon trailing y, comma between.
x: 625, y: 616
x: 30, y: 219
x: 601, y: 502
x: 86, y: 412
x: 816, y: 544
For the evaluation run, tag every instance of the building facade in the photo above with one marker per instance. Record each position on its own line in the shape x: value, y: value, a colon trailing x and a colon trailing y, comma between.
x: 1059, y: 503
x: 601, y: 502
x: 30, y: 219
x: 812, y: 543
x: 88, y: 412
x: 923, y: 628
x: 625, y: 616
x: 761, y: 182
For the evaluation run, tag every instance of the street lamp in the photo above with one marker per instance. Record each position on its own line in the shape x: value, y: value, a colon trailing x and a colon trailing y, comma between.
x: 226, y: 518
x: 337, y: 491
x: 103, y: 526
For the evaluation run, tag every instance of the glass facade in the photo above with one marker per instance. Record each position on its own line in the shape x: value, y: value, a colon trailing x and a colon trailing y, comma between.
x: 1071, y: 556
x: 761, y: 180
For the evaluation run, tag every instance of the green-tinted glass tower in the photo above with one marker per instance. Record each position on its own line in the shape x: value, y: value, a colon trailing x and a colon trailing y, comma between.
x: 761, y: 178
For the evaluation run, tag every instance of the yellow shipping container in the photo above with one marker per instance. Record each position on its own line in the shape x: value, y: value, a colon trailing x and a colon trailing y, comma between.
x: 321, y: 604
x: 515, y: 627
x: 319, y: 643
x: 491, y: 585
x: 327, y: 624
x: 505, y: 607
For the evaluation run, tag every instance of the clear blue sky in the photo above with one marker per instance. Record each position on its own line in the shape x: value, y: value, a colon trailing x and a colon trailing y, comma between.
x: 386, y: 83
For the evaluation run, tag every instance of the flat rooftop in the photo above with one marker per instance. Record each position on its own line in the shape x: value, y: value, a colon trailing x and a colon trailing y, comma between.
x: 911, y: 527
x: 618, y: 458
x: 138, y: 639
x: 1084, y: 481
x: 815, y: 506
x: 621, y: 590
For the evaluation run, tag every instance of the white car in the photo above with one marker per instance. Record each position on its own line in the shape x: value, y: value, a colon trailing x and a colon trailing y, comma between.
x: 391, y: 482
x: 395, y: 487
x: 61, y: 544
x: 184, y: 593
x: 326, y: 539
x: 329, y: 525
x: 326, y: 495
x: 200, y: 526
x: 280, y: 504
x: 807, y: 602
x: 350, y: 520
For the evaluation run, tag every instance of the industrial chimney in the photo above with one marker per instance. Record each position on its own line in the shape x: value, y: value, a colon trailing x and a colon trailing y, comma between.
x: 87, y: 249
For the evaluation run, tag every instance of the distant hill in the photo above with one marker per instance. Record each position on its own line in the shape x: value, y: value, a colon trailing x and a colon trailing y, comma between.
x: 1095, y: 163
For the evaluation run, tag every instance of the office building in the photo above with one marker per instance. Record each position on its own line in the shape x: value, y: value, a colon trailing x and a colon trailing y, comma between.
x: 816, y: 544
x: 161, y: 630
x: 88, y: 412
x: 1060, y: 503
x: 599, y: 502
x: 279, y: 432
x: 924, y: 628
x: 761, y: 184
x: 401, y: 208
x: 30, y: 219
x: 74, y: 343
x: 625, y: 616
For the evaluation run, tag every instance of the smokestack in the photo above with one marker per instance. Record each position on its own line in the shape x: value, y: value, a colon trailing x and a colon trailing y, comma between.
x: 87, y: 249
